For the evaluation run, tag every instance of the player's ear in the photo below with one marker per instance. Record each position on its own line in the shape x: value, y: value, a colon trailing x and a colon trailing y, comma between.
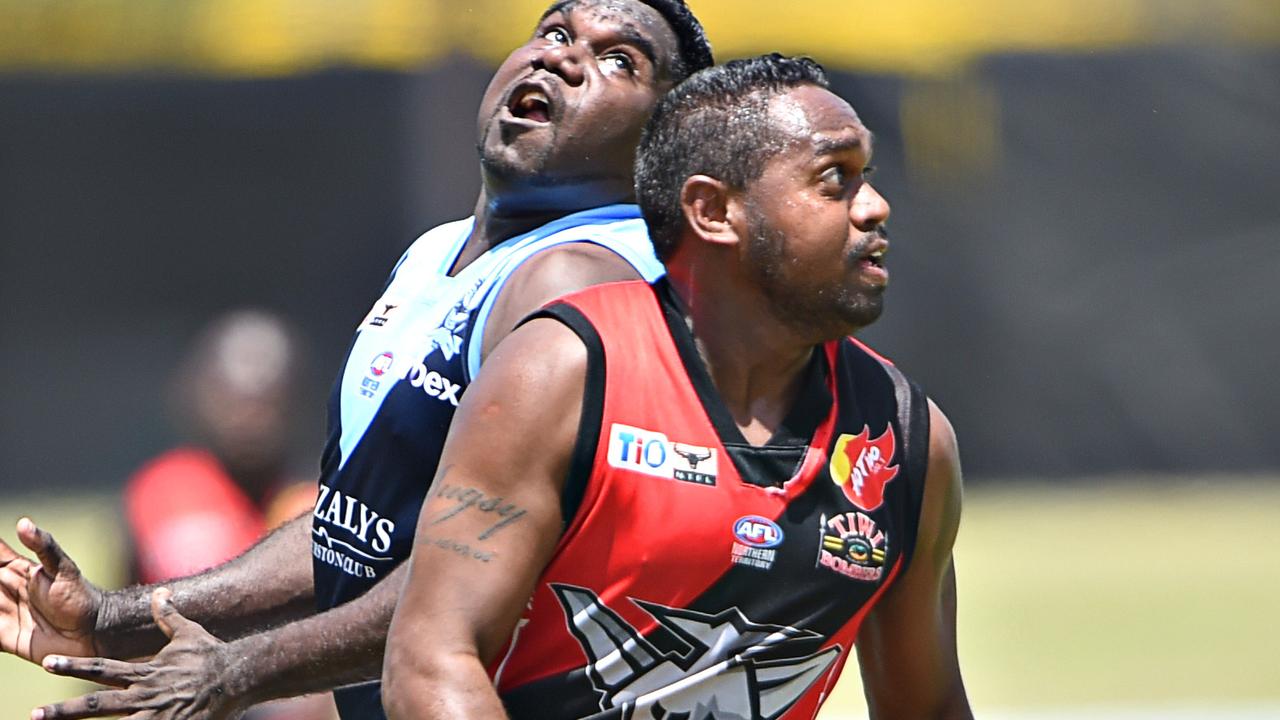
x: 707, y: 206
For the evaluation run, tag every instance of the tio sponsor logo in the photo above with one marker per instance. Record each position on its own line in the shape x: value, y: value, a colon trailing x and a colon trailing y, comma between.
x: 651, y: 453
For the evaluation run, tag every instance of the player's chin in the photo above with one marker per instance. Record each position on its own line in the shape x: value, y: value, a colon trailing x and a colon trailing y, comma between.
x: 862, y: 309
x: 514, y: 161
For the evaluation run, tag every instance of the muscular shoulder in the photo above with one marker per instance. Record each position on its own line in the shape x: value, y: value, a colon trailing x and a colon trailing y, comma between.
x: 534, y: 379
x: 554, y: 272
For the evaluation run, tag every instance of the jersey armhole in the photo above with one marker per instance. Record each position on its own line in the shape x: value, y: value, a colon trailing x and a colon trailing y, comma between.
x: 913, y: 420
x: 584, y: 447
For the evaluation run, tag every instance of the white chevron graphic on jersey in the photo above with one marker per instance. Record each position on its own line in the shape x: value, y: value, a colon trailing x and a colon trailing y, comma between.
x: 719, y: 676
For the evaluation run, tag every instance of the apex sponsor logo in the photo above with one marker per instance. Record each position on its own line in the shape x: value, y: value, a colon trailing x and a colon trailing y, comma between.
x: 651, y: 453
x: 853, y: 546
x: 433, y: 384
x: 862, y: 466
x: 756, y: 537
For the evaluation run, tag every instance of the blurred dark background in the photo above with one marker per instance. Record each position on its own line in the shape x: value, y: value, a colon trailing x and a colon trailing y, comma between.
x: 1086, y: 235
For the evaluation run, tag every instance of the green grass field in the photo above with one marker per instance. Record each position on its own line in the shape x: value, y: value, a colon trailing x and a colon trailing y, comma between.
x: 1097, y: 594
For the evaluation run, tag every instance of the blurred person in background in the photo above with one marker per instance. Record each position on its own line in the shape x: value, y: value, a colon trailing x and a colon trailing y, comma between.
x: 204, y: 503
x: 207, y: 501
x: 701, y: 529
x: 557, y: 131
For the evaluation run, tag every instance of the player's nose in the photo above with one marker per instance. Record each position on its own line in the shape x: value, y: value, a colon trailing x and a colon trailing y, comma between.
x: 869, y: 208
x: 567, y: 61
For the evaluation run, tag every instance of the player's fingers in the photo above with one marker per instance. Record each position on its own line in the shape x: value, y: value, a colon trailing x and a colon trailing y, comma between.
x: 167, y: 616
x: 50, y: 553
x: 100, y: 670
x: 13, y: 577
x: 104, y: 703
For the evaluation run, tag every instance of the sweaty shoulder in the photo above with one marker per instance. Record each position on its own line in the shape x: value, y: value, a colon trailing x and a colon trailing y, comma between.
x: 549, y: 274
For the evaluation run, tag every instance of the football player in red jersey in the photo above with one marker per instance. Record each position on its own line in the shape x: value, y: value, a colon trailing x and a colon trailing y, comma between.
x: 569, y: 563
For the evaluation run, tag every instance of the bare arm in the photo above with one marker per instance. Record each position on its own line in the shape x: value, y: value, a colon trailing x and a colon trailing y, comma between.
x: 554, y: 272
x: 473, y: 570
x: 269, y: 584
x: 198, y: 677
x: 49, y: 607
x: 907, y: 645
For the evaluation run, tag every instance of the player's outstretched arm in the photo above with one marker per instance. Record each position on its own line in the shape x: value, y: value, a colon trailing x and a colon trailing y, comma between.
x: 49, y: 607
x: 198, y: 677
x: 907, y: 645
x: 488, y: 528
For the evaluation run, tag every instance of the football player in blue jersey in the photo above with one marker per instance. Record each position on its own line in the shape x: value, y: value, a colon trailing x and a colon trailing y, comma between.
x: 557, y: 131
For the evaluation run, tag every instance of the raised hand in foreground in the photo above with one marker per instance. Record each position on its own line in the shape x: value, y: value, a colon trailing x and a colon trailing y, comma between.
x: 45, y: 607
x: 184, y: 680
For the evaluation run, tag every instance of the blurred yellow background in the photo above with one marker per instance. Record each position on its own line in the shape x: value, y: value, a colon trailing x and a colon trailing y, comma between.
x: 270, y: 37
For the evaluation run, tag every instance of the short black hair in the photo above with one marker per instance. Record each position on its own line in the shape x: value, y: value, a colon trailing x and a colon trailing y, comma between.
x: 715, y: 123
x: 694, y: 50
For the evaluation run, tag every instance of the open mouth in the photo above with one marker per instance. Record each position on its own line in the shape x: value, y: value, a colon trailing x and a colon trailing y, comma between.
x: 530, y: 103
x: 876, y: 258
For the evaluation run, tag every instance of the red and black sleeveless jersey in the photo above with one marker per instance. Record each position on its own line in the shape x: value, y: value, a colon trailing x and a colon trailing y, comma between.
x: 699, y: 576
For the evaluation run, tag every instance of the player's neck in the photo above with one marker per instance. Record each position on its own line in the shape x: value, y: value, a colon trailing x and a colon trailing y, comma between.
x: 500, y: 218
x: 756, y: 363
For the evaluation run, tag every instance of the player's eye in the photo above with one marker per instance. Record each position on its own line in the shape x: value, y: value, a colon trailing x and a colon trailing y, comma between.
x: 868, y: 171
x: 615, y: 62
x: 557, y: 35
x: 833, y: 179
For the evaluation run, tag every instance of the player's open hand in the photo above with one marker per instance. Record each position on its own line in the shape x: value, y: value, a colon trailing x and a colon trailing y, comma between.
x: 46, y: 606
x: 184, y: 680
x: 15, y: 610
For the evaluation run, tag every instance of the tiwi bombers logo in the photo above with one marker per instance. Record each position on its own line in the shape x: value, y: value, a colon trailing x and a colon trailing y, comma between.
x: 718, y: 675
x: 860, y: 466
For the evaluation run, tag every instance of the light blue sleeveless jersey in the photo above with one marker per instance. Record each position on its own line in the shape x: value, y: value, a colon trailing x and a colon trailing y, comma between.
x: 412, y: 358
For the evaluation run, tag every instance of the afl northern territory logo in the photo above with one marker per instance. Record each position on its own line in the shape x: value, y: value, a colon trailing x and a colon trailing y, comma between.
x: 861, y: 466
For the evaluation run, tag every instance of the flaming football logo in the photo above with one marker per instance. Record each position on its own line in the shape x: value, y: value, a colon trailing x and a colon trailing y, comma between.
x: 861, y: 466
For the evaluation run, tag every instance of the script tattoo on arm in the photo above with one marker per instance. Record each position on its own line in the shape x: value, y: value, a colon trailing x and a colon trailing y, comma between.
x: 468, y: 498
x: 461, y: 548
x: 475, y: 500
